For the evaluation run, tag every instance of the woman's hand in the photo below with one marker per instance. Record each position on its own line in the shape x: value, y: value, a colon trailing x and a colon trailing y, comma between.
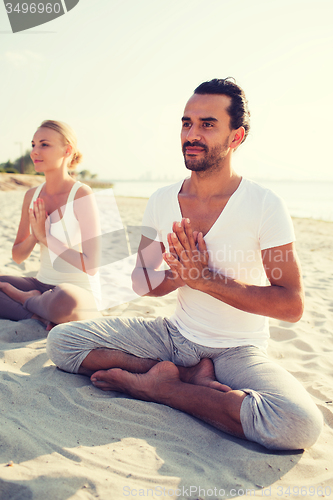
x: 39, y: 221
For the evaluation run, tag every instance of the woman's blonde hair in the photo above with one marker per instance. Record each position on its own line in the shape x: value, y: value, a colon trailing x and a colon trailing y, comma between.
x: 69, y: 137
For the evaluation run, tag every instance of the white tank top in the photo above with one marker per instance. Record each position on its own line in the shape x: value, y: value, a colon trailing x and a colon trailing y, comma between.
x: 67, y: 230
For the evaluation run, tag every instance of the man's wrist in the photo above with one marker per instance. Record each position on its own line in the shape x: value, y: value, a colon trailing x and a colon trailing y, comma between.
x: 200, y: 279
x: 173, y: 278
x: 204, y: 281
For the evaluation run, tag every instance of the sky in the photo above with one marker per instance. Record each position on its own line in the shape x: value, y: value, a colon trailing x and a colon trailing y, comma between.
x: 120, y: 73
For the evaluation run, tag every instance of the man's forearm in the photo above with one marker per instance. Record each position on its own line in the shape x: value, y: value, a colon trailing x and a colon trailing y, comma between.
x: 282, y: 299
x: 151, y: 283
x: 271, y: 300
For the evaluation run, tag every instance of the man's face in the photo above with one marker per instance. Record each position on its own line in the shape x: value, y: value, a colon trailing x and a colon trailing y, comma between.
x: 206, y: 132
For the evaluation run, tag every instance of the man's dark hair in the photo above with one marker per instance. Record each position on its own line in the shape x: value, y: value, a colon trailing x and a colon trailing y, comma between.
x: 238, y: 110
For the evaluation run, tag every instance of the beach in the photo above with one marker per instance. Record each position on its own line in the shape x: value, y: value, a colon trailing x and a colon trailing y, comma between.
x: 61, y: 438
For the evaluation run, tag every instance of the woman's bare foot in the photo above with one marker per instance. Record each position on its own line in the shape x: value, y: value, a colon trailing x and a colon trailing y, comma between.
x: 42, y: 320
x: 48, y: 324
x: 202, y: 374
x: 16, y: 294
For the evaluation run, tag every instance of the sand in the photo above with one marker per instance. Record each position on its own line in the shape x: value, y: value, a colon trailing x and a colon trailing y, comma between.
x: 17, y: 182
x: 61, y: 438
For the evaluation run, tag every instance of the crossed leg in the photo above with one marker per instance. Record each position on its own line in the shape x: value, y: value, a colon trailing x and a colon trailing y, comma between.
x: 150, y: 360
x: 63, y: 303
x: 10, y: 287
x: 16, y: 294
x: 193, y: 390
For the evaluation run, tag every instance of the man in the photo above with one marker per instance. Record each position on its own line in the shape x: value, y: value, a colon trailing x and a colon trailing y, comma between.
x: 222, y: 237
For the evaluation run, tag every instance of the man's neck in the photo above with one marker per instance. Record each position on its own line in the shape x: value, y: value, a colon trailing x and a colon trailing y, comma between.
x: 205, y: 185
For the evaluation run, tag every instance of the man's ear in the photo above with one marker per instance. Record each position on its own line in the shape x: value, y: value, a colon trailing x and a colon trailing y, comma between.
x: 238, y: 137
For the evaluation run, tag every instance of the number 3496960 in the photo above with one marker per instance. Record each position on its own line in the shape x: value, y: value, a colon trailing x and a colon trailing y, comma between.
x: 33, y: 8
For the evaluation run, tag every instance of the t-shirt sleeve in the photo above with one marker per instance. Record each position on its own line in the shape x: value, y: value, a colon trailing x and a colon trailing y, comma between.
x: 276, y: 226
x: 149, y: 222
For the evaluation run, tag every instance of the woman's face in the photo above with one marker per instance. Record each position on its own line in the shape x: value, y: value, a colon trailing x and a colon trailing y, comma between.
x: 49, y: 150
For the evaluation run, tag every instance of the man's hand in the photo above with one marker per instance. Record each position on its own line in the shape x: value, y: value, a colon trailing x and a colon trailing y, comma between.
x: 188, y: 256
x: 282, y: 299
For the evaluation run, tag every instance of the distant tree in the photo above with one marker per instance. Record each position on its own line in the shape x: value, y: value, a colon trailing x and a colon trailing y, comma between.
x: 26, y: 163
x: 8, y: 168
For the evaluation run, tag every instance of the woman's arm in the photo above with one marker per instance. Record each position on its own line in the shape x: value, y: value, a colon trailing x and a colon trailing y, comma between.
x: 25, y: 240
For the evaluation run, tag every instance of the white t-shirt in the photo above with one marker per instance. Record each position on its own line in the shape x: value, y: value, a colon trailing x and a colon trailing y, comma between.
x: 253, y: 220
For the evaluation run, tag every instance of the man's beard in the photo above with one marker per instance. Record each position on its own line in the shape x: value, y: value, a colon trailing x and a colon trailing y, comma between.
x: 212, y: 160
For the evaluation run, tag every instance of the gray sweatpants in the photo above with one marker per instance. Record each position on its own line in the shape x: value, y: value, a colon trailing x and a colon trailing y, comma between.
x: 277, y: 411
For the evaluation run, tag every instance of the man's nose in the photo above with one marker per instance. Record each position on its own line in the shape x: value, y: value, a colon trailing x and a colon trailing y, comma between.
x: 193, y: 134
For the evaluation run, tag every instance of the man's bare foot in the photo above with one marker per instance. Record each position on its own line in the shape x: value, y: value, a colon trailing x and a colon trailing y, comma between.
x: 16, y: 294
x: 116, y: 379
x: 155, y: 385
x: 202, y: 374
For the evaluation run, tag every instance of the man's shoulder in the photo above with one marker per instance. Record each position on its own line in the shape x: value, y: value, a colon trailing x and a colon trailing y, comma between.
x: 162, y: 207
x: 273, y: 218
x: 259, y: 190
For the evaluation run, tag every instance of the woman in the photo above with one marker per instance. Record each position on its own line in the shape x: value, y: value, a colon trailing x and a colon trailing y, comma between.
x: 67, y: 282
